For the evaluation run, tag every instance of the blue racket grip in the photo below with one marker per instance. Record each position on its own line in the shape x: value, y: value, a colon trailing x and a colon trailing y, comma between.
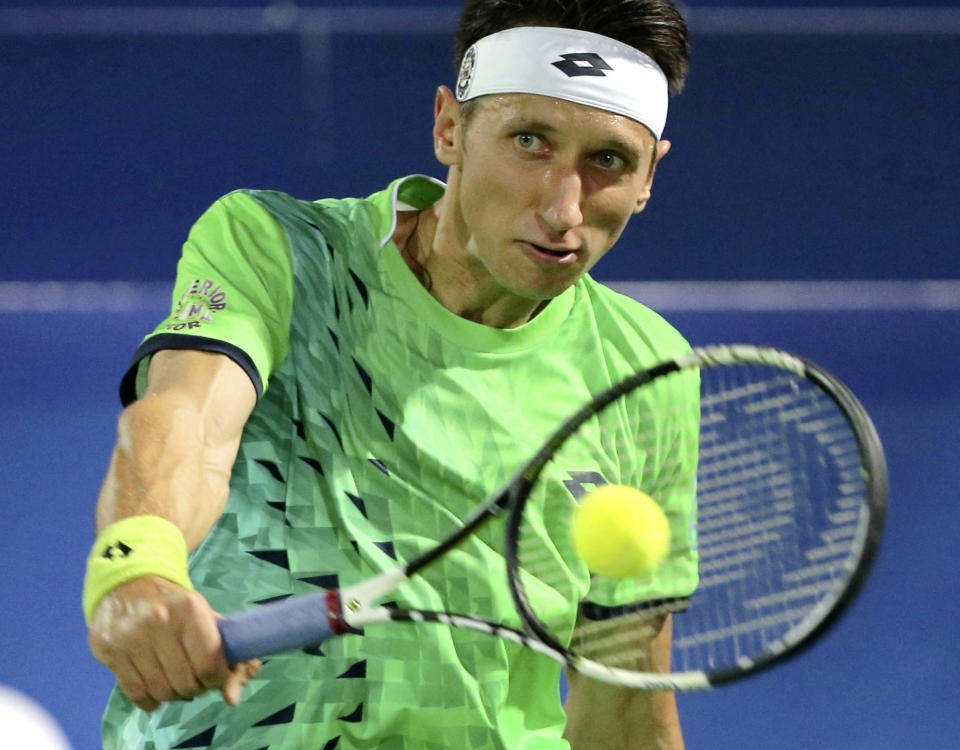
x: 300, y: 622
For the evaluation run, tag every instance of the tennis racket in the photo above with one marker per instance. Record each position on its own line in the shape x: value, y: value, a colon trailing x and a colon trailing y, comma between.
x: 774, y: 482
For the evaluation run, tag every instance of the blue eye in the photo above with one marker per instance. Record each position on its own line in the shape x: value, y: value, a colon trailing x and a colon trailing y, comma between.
x: 528, y: 141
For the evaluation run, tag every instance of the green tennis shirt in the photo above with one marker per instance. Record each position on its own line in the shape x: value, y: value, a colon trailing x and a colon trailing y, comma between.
x: 383, y: 420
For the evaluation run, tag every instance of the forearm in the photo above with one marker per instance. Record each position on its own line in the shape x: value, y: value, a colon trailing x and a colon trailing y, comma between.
x: 162, y: 465
x: 601, y: 716
x: 176, y: 447
x: 177, y: 444
x: 609, y: 717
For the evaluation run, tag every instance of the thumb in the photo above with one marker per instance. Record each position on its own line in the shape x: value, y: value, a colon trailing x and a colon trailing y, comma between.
x: 240, y: 675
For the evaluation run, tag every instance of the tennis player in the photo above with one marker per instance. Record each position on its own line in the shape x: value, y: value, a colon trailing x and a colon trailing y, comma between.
x: 339, y: 382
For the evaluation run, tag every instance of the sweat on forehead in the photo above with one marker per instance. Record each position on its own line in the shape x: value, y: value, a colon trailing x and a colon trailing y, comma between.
x: 578, y: 66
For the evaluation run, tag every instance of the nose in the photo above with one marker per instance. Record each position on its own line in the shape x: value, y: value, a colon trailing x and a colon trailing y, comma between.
x: 563, y: 193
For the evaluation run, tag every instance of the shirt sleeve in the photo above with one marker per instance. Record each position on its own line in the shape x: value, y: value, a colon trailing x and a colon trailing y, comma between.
x: 233, y: 294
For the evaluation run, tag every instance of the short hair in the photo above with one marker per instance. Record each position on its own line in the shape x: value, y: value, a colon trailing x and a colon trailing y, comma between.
x: 655, y: 27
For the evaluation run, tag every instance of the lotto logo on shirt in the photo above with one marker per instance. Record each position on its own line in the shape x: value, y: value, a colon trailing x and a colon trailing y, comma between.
x: 202, y: 300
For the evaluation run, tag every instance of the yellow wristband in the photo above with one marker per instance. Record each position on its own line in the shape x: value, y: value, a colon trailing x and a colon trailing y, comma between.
x: 134, y: 547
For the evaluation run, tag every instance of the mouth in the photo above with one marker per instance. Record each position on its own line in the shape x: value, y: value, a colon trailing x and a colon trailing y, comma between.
x: 545, y: 254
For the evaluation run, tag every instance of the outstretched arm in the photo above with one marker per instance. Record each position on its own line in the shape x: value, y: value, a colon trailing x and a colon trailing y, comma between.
x: 175, y: 450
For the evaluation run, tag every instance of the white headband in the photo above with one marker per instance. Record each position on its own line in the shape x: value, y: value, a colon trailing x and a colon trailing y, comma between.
x: 578, y: 66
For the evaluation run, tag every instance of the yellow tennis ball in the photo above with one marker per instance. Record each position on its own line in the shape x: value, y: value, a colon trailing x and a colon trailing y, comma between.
x: 620, y: 532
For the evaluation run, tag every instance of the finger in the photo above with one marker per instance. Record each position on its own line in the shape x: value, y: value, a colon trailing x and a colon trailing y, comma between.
x: 204, y: 649
x: 190, y: 653
x: 155, y: 677
x: 132, y: 683
x: 183, y: 676
x: 128, y: 676
x: 172, y: 661
x: 240, y: 676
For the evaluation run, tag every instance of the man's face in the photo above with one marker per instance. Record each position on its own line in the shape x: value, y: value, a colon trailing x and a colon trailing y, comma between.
x: 543, y: 188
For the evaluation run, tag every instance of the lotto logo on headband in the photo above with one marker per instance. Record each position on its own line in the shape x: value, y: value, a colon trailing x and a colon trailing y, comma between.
x: 594, y: 65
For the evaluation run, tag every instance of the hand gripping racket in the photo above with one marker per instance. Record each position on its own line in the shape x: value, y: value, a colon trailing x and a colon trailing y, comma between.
x: 772, y: 477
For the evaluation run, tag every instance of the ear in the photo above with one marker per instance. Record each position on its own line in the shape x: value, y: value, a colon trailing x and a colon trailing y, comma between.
x: 662, y: 148
x: 446, y: 127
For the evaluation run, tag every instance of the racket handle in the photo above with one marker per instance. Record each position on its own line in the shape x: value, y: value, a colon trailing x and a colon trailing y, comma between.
x: 300, y: 622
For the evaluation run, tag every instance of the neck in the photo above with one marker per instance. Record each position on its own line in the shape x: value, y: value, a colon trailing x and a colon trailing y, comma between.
x: 440, y: 259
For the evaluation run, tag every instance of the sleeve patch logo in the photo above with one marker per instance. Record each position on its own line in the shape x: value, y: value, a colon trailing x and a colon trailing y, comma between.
x: 202, y: 300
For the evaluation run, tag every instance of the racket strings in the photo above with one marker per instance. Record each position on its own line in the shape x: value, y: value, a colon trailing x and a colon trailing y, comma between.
x: 619, y: 643
x: 774, y: 537
x: 774, y: 530
x: 633, y: 443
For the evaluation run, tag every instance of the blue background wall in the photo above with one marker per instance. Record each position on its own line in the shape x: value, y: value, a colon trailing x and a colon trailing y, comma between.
x: 807, y: 147
x: 805, y: 155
